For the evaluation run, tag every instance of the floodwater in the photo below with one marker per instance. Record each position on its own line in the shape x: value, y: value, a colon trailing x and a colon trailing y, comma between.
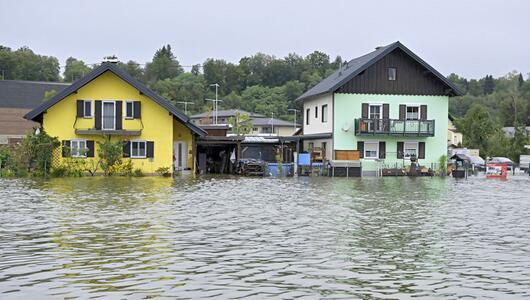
x: 255, y: 238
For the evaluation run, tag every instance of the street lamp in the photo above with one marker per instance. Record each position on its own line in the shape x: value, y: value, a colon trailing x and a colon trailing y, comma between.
x: 295, y: 111
x: 216, y: 100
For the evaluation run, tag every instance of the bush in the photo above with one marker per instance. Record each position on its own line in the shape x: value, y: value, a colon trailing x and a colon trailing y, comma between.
x: 121, y: 168
x: 110, y: 154
x: 138, y: 173
x: 31, y: 156
x: 442, y: 165
x: 163, y: 171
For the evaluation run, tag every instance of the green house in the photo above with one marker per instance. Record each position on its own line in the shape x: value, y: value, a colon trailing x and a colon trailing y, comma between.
x: 389, y: 104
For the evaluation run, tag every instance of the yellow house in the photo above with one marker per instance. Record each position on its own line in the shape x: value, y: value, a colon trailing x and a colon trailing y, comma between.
x: 109, y: 102
x: 454, y: 138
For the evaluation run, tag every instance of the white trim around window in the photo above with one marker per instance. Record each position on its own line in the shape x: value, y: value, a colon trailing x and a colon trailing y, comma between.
x: 138, y: 152
x: 413, y: 115
x: 371, y: 150
x: 103, y: 115
x: 80, y: 149
x: 409, y: 148
x: 91, y: 109
x: 127, y: 116
x: 380, y: 113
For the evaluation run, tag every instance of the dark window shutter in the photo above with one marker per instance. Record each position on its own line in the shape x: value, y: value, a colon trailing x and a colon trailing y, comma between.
x: 382, y: 150
x: 126, y: 149
x: 119, y: 111
x: 97, y: 114
x: 364, y: 111
x: 402, y: 111
x: 66, y: 149
x: 80, y: 107
x: 150, y: 149
x: 360, y: 148
x: 90, y: 146
x: 137, y: 109
x: 400, y: 149
x: 386, y: 112
x: 421, y: 150
x: 423, y: 112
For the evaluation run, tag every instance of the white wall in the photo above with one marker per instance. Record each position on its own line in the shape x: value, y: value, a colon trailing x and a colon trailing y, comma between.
x: 315, y: 124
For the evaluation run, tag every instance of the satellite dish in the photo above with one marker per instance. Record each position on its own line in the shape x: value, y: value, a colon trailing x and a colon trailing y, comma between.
x: 346, y: 126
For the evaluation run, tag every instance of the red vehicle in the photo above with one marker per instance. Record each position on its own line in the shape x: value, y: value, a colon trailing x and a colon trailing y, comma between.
x: 496, y: 170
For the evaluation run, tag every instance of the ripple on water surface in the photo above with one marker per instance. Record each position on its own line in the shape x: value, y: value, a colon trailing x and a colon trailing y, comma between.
x: 240, y: 238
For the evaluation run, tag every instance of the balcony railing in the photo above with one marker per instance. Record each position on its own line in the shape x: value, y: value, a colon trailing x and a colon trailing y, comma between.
x: 394, y: 127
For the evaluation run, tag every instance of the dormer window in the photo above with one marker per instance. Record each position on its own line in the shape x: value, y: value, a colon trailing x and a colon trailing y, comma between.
x: 392, y: 73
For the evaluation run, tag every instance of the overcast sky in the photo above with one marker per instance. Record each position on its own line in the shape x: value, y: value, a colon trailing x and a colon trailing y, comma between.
x: 470, y: 38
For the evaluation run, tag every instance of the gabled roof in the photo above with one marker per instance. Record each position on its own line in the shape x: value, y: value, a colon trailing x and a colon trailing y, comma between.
x: 104, y: 67
x: 269, y: 121
x: 226, y: 113
x: 26, y: 94
x: 355, y: 66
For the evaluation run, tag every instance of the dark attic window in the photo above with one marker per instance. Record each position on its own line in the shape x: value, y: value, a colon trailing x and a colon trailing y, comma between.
x: 392, y: 73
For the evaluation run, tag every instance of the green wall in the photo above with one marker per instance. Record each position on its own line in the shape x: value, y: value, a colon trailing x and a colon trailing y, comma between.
x: 347, y: 107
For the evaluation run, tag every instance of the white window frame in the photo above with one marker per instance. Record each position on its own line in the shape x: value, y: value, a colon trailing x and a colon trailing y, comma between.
x: 406, y: 111
x: 102, y: 115
x: 376, y: 151
x: 405, y: 149
x: 138, y: 142
x: 77, y: 152
x: 91, y: 109
x: 132, y: 109
x: 307, y: 115
x: 380, y: 105
x: 395, y: 73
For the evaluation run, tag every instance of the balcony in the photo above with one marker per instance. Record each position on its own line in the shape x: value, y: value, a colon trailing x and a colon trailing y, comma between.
x: 108, y: 128
x: 394, y: 127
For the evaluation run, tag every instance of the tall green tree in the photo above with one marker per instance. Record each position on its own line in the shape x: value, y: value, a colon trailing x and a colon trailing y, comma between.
x: 477, y: 127
x: 74, y: 69
x: 184, y: 88
x: 163, y: 66
x: 134, y: 69
x: 489, y: 85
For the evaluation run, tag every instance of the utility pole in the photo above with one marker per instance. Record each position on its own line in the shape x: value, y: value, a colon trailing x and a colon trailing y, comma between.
x: 216, y: 99
x: 295, y: 111
x: 185, y: 105
x: 272, y: 121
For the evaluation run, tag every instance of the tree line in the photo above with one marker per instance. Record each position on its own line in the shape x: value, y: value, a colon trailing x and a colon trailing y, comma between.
x: 488, y: 105
x: 260, y: 83
x: 267, y: 84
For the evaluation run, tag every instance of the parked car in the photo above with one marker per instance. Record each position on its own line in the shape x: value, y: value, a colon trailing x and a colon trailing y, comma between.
x: 502, y: 160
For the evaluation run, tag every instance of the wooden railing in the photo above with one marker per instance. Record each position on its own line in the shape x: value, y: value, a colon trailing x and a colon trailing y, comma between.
x: 394, y: 127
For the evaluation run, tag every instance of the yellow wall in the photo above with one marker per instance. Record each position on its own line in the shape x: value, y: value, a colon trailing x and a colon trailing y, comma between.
x: 182, y: 133
x: 156, y: 123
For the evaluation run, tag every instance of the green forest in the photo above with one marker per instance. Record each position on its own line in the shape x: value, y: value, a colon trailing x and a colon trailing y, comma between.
x: 267, y: 84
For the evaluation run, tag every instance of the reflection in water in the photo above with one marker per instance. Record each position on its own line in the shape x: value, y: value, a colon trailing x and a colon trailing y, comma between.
x: 227, y: 237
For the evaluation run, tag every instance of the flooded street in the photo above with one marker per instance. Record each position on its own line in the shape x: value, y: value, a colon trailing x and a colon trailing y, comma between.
x: 244, y: 238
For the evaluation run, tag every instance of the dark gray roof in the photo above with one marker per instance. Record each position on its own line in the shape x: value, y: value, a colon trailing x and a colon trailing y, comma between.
x: 104, y: 67
x: 270, y: 121
x: 26, y: 94
x: 225, y: 113
x: 359, y: 64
